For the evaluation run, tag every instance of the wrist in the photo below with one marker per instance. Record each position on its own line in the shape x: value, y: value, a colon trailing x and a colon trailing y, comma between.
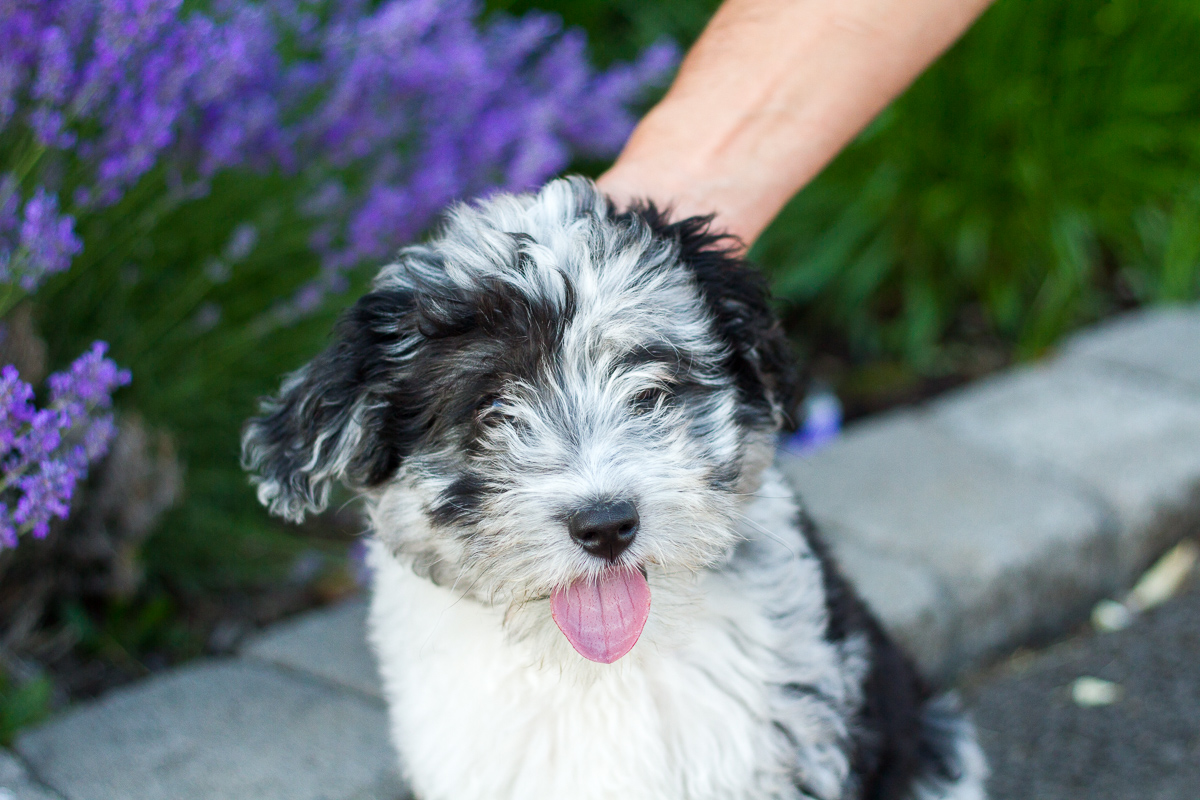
x: 682, y: 158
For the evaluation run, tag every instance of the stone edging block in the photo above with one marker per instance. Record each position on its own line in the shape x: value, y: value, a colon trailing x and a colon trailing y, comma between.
x: 994, y: 555
x: 1133, y: 445
x: 225, y: 730
x: 1000, y: 512
x: 1162, y: 344
x: 16, y: 784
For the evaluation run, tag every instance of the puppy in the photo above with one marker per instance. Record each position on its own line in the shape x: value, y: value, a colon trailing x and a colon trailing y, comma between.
x: 590, y: 581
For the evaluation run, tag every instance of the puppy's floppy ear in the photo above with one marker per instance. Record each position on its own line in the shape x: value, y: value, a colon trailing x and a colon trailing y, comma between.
x: 738, y: 298
x: 335, y: 419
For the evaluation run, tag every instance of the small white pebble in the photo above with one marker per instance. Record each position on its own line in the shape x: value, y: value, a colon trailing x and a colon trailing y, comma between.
x: 1109, y: 616
x: 1090, y: 692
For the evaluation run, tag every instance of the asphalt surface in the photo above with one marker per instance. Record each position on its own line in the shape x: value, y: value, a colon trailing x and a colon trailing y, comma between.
x: 1042, y: 745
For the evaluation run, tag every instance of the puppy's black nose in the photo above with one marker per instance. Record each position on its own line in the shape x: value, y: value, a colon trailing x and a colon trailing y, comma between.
x: 604, y: 529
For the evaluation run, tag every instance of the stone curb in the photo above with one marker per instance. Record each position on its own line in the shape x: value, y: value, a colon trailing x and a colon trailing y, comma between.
x: 990, y: 518
x: 999, y: 514
x: 990, y: 554
x: 17, y: 784
x: 218, y: 730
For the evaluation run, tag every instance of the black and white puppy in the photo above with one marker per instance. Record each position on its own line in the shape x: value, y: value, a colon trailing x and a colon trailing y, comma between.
x: 590, y: 581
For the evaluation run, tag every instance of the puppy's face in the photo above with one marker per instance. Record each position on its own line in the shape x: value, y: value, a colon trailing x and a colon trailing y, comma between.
x: 548, y: 397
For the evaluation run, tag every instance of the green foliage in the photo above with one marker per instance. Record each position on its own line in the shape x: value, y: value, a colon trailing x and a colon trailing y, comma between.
x: 22, y: 704
x: 1046, y: 170
x: 127, y: 628
x: 193, y: 321
x: 620, y: 29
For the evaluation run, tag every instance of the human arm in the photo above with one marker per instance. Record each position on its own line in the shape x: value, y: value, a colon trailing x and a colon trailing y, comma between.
x: 769, y: 94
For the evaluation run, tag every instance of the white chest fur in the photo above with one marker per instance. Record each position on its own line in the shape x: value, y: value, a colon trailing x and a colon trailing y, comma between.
x: 690, y: 713
x: 478, y: 716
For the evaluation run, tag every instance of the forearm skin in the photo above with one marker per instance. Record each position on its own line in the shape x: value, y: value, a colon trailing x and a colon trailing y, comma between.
x: 769, y: 94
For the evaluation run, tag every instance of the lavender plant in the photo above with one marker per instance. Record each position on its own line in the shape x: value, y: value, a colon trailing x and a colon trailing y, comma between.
x: 35, y: 240
x: 413, y: 107
x: 45, y: 452
x: 386, y: 113
x: 194, y: 183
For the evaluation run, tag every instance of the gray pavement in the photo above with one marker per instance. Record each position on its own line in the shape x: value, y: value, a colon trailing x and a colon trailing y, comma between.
x: 991, y: 519
x: 1042, y: 745
x: 17, y: 784
x: 223, y: 730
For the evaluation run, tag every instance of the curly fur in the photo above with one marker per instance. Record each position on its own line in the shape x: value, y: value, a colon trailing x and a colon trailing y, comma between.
x: 539, y: 353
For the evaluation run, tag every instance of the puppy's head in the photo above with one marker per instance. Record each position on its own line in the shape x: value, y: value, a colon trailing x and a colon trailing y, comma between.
x: 549, y: 400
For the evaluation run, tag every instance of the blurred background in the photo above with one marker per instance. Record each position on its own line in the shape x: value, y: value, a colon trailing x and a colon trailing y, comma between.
x: 202, y: 186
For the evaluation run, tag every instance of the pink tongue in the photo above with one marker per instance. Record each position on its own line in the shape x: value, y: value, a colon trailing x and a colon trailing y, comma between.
x: 603, y: 619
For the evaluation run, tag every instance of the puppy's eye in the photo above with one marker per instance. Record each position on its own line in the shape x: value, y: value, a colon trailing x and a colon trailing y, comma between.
x: 649, y: 399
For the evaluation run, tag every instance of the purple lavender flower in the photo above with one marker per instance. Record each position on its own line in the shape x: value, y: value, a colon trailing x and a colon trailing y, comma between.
x: 35, y: 241
x: 237, y: 93
x: 45, y: 492
x: 432, y: 108
x: 148, y: 83
x: 8, y: 531
x: 46, y: 242
x: 15, y: 408
x: 96, y: 438
x: 19, y: 38
x: 404, y: 105
x: 90, y: 380
x: 55, y: 68
x: 45, y: 452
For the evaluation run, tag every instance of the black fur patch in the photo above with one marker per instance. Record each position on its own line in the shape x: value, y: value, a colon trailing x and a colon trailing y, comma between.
x: 942, y: 732
x: 889, y: 730
x: 460, y: 501
x: 469, y: 341
x: 680, y: 361
x: 305, y: 424
x: 737, y: 296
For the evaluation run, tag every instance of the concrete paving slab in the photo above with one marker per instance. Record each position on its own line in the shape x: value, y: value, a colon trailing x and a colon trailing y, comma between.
x: 228, y: 730
x: 1132, y: 444
x: 1162, y: 343
x: 17, y: 784
x: 330, y: 643
x: 1016, y: 556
